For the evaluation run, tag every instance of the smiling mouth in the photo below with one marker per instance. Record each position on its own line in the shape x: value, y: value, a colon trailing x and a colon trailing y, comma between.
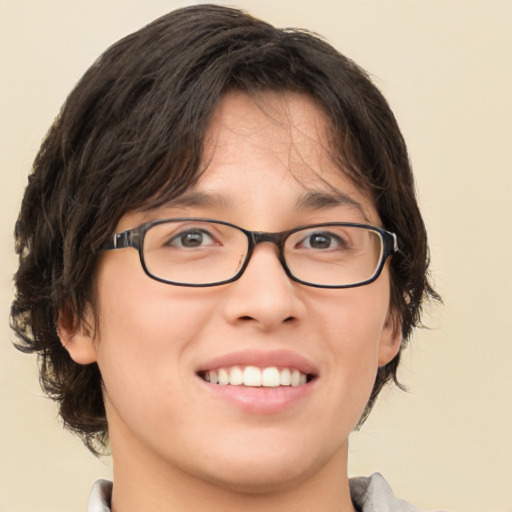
x: 252, y: 376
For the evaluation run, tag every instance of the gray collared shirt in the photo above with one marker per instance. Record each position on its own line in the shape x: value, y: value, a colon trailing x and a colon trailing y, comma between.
x: 369, y: 494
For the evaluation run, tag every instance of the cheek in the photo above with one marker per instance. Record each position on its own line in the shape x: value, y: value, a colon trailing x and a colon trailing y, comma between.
x: 146, y: 331
x: 141, y: 312
x: 352, y: 325
x: 354, y: 319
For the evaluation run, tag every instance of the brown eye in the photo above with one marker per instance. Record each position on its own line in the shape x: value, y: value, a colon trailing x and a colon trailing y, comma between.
x: 191, y: 239
x: 322, y: 240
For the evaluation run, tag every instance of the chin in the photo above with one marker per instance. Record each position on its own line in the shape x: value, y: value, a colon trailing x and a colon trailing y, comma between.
x: 259, y: 478
x: 265, y: 471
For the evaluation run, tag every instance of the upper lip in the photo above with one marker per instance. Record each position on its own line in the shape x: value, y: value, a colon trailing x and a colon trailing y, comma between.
x: 262, y: 359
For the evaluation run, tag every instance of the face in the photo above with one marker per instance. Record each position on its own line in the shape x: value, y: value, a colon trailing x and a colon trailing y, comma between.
x: 157, y: 342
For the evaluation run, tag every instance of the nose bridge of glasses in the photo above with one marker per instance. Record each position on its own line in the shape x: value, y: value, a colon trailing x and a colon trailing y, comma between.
x: 259, y: 237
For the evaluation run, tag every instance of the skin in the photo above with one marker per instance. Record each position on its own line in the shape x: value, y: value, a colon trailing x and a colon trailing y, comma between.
x: 175, y: 444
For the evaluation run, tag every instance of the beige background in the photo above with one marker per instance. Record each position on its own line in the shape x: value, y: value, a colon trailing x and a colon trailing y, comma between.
x: 445, y: 67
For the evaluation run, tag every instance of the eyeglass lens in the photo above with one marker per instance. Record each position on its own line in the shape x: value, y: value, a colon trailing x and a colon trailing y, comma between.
x: 197, y: 252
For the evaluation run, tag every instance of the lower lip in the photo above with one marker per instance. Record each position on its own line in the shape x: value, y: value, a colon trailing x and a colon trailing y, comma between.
x: 261, y: 400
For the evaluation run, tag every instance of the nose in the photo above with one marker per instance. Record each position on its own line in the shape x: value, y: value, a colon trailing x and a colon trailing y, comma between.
x: 264, y: 296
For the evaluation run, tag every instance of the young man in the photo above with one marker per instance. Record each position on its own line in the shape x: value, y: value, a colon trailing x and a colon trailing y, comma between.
x: 221, y: 257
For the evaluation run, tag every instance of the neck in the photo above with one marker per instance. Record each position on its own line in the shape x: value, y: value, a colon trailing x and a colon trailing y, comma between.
x: 143, y: 481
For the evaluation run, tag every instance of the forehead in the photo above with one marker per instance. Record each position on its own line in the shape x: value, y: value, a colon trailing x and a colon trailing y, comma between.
x: 280, y: 139
x: 265, y: 155
x: 289, y: 127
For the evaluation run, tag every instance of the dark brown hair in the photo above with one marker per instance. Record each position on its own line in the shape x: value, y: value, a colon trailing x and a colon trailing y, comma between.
x: 131, y: 134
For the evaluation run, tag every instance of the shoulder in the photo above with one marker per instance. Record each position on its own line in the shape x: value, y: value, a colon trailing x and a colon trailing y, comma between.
x: 99, y: 500
x: 373, y: 494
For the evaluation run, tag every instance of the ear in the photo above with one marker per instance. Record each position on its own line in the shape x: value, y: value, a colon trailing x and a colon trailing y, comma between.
x: 391, y: 338
x: 77, y: 338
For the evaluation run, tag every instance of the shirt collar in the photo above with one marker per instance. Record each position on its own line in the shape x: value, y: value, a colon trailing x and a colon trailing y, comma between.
x: 101, y: 494
x: 373, y: 494
x: 369, y: 494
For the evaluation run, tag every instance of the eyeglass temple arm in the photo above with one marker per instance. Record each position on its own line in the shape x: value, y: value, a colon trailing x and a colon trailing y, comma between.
x: 121, y: 240
x: 392, y: 243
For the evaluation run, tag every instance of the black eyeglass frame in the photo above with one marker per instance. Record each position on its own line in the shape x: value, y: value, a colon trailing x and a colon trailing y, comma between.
x: 134, y: 237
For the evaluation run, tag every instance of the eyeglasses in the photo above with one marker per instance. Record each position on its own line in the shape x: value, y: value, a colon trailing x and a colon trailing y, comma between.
x: 205, y: 252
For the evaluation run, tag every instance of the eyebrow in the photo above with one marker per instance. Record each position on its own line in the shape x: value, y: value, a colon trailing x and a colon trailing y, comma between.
x: 310, y: 200
x: 316, y: 200
x: 202, y: 199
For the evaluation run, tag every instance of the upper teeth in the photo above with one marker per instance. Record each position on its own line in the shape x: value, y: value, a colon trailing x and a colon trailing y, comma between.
x: 256, y: 377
